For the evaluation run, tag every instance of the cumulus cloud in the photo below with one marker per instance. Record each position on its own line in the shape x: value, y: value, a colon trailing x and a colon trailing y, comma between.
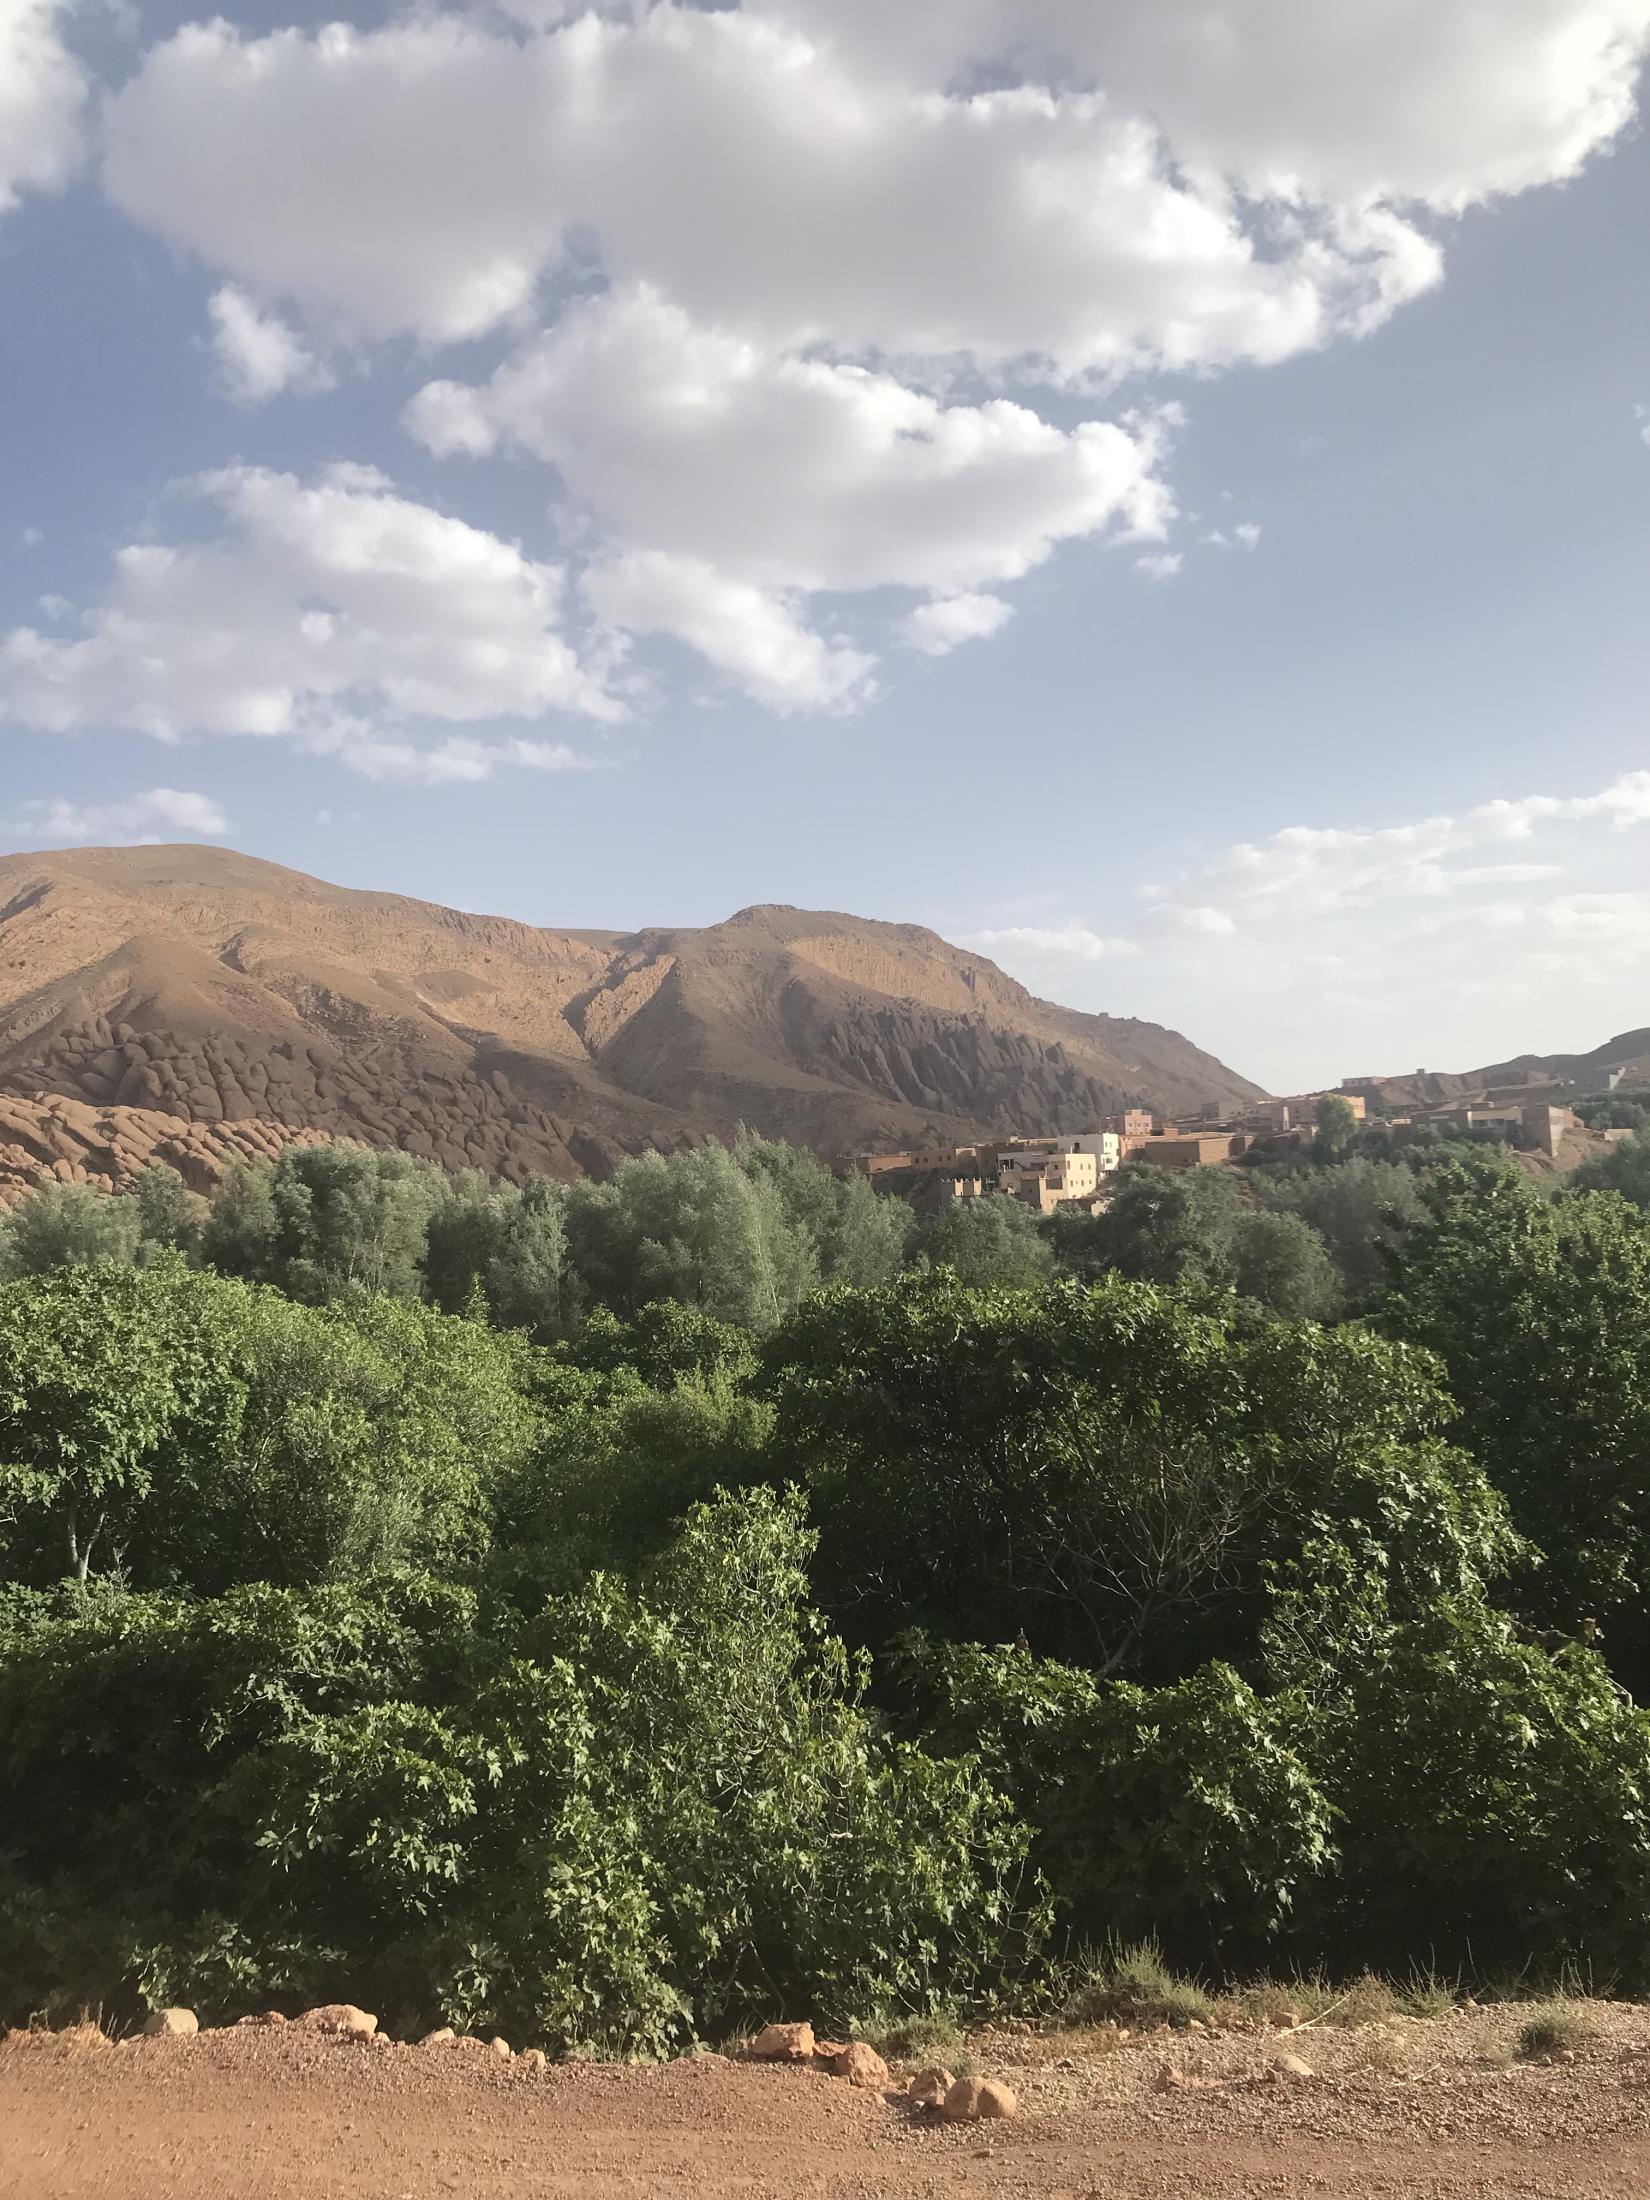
x: 42, y: 94
x: 750, y: 633
x: 258, y: 355
x: 787, y: 282
x: 1305, y: 871
x: 332, y: 612
x: 1160, y: 565
x: 137, y: 820
x: 1232, y: 179
x: 737, y: 481
x: 1074, y: 942
x: 939, y: 627
x: 1353, y: 948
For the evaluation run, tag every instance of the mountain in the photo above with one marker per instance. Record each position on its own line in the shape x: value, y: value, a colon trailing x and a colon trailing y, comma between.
x: 1629, y: 1052
x: 208, y: 999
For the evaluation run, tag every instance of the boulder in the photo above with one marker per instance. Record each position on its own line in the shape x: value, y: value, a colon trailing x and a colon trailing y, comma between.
x: 973, y: 2100
x: 929, y: 2088
x: 500, y: 2047
x: 170, y: 2024
x: 784, y: 2043
x: 342, y: 2019
x: 532, y: 2058
x: 442, y: 2036
x: 861, y: 2065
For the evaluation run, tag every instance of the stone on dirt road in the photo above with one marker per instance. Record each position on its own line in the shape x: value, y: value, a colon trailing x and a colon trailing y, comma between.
x: 784, y: 2043
x: 1289, y: 2069
x: 170, y: 2024
x: 974, y: 2100
x: 442, y: 2036
x: 929, y: 2088
x: 861, y: 2065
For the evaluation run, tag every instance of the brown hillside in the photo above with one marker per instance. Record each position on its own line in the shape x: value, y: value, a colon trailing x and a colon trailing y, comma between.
x: 215, y: 990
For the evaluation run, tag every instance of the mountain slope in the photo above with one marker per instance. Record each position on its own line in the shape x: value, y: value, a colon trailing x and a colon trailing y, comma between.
x: 215, y: 989
x: 1629, y: 1052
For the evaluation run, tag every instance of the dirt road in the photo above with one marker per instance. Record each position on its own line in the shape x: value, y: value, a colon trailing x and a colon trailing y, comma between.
x: 278, y: 2115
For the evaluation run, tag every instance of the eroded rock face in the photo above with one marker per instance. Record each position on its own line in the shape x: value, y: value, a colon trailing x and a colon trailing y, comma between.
x: 240, y: 1002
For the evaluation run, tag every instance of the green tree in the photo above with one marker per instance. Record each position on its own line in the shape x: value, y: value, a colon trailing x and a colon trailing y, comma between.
x: 324, y: 1220
x: 1624, y: 1169
x: 986, y: 1242
x: 1540, y: 1313
x: 1337, y: 1128
x: 61, y: 1225
x: 100, y: 1366
x: 694, y: 1227
x: 1364, y: 1211
x: 1111, y: 1471
x: 1281, y: 1262
x: 1171, y: 1226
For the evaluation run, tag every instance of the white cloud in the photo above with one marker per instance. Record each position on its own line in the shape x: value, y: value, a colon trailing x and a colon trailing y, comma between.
x: 335, y: 613
x: 753, y: 635
x: 136, y: 820
x: 809, y: 267
x: 939, y: 627
x: 1307, y: 870
x: 259, y: 356
x: 772, y: 479
x: 42, y: 94
x: 1231, y: 179
x: 1362, y: 948
x: 1075, y: 942
x: 1160, y: 565
x: 1247, y: 535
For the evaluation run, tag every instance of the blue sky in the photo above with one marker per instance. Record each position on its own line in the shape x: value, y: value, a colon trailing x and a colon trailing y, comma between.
x: 1161, y: 496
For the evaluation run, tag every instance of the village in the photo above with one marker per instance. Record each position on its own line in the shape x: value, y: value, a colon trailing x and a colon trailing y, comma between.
x: 1077, y: 1171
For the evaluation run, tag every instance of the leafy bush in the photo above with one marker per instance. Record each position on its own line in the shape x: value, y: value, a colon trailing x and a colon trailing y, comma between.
x: 648, y: 1813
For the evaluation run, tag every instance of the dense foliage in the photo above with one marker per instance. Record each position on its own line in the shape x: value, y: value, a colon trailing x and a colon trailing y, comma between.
x: 618, y: 1613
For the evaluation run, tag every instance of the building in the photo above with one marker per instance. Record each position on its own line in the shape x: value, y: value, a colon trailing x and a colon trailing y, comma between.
x: 1132, y: 1123
x: 1047, y: 1179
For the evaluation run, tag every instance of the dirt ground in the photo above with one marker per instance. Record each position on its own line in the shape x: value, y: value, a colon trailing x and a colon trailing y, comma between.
x: 1400, y: 2110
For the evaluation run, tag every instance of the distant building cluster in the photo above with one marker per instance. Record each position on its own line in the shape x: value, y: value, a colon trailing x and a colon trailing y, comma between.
x: 1073, y: 1171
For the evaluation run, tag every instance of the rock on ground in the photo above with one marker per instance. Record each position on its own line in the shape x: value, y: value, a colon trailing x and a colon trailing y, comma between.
x: 784, y: 2043
x: 929, y: 2088
x: 170, y: 2024
x: 861, y: 2065
x: 973, y: 2100
x: 342, y: 2018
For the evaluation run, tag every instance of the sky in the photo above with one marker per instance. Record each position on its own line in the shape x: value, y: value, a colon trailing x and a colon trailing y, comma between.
x: 1160, y: 494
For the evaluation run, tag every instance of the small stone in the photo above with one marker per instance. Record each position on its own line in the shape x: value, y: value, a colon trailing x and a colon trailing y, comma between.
x: 929, y: 2088
x: 962, y: 2102
x: 340, y: 2018
x: 263, y: 2016
x: 1290, y: 2067
x: 784, y: 2043
x: 171, y: 2024
x: 501, y: 2048
x: 533, y: 2058
x: 861, y: 2065
x: 998, y: 2100
x: 1290, y: 2020
x: 442, y: 2036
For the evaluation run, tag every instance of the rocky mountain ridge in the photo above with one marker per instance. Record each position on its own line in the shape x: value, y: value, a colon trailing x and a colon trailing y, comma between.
x: 212, y: 990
